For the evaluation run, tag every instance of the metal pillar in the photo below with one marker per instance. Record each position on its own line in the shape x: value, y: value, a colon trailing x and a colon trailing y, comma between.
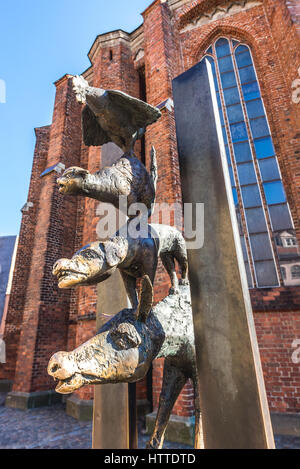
x: 235, y: 411
x: 114, y: 425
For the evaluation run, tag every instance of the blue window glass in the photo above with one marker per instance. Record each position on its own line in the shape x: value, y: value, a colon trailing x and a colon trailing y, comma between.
x: 242, y: 152
x: 274, y: 192
x: 244, y: 59
x: 247, y: 74
x: 231, y: 176
x: 226, y: 64
x: 219, y: 100
x: 241, y: 48
x: 251, y: 91
x: 222, y: 47
x: 269, y: 169
x: 224, y: 135
x: 228, y: 154
x: 255, y: 108
x: 259, y: 127
x: 251, y: 196
x: 233, y: 66
x: 266, y: 274
x: 228, y: 80
x: 280, y: 217
x: 246, y: 174
x: 216, y: 82
x: 264, y: 147
x: 261, y: 247
x: 239, y: 132
x: 209, y: 51
x: 221, y: 117
x: 231, y: 96
x: 235, y: 113
x: 235, y: 196
x: 256, y: 220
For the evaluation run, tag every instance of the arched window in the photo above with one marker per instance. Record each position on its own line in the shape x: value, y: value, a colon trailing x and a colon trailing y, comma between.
x: 256, y: 181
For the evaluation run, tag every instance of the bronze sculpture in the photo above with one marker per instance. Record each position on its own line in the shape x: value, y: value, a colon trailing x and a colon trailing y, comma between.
x: 128, y: 177
x: 134, y: 257
x: 112, y: 116
x: 125, y: 347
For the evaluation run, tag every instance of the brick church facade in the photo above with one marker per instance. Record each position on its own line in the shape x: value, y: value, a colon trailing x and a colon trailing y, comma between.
x: 174, y: 36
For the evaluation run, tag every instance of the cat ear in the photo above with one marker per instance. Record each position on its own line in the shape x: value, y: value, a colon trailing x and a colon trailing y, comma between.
x: 75, y: 171
x: 145, y: 299
x: 115, y: 251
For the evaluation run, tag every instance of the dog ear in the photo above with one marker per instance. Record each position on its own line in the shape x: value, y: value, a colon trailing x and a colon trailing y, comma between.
x: 145, y: 299
x: 115, y: 251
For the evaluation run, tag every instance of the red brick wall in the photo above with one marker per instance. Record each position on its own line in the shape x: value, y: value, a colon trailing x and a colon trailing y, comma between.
x: 276, y: 333
x: 15, y: 310
x: 46, y: 309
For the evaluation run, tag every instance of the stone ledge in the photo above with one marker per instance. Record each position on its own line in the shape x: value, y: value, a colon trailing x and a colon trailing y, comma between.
x: 179, y: 429
x: 32, y: 400
x: 5, y: 385
x: 80, y: 409
x: 286, y: 424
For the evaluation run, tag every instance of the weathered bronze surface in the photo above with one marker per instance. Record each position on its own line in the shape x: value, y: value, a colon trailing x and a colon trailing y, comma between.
x: 112, y: 422
x: 112, y: 116
x: 134, y: 257
x: 128, y: 177
x: 125, y: 347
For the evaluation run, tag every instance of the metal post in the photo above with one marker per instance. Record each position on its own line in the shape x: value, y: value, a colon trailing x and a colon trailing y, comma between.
x: 235, y: 411
x: 114, y: 425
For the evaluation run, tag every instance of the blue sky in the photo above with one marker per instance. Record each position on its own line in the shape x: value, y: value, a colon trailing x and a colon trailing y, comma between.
x: 40, y: 41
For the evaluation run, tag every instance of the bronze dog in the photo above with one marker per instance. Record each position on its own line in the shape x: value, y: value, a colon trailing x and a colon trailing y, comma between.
x: 134, y: 257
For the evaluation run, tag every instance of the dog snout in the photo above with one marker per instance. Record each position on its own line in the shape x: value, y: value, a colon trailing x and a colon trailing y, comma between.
x: 61, y: 366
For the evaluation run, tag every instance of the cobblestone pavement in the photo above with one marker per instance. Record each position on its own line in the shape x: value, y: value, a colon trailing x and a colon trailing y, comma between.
x: 51, y: 428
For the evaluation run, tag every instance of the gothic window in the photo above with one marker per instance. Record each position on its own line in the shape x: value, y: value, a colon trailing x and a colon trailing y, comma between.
x: 261, y: 205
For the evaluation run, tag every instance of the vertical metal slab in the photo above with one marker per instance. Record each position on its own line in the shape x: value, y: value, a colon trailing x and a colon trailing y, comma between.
x: 235, y: 411
x: 115, y: 420
x: 111, y: 409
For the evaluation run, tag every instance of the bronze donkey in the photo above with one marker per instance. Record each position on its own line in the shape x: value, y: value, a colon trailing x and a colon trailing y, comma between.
x: 125, y: 347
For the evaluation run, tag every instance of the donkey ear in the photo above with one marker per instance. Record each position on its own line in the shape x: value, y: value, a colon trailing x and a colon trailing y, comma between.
x: 115, y: 251
x: 145, y: 299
